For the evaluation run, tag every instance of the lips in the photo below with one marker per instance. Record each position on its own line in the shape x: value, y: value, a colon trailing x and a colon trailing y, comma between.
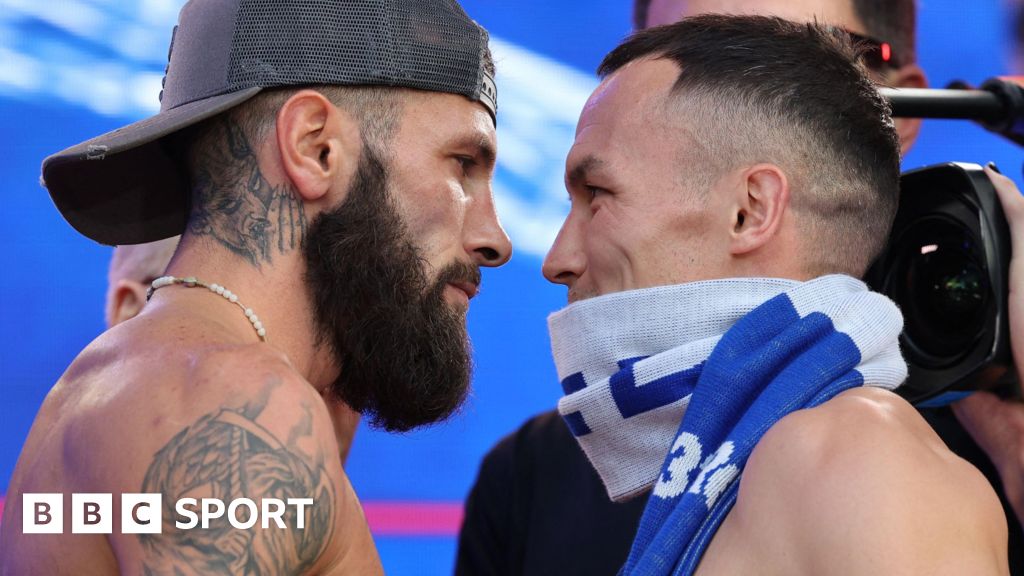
x: 461, y: 276
x: 469, y: 288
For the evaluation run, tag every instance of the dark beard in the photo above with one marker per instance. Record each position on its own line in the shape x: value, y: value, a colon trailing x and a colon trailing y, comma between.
x: 403, y: 350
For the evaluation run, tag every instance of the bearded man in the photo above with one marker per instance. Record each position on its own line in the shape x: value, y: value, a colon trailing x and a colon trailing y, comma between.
x: 329, y: 165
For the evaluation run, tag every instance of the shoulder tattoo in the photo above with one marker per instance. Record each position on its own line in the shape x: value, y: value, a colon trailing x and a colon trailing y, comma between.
x: 227, y: 455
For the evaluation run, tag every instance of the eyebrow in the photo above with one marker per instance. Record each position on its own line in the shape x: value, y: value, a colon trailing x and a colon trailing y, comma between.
x: 579, y: 172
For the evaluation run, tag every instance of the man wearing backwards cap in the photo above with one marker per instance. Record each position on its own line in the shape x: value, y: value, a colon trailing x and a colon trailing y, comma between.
x: 329, y: 165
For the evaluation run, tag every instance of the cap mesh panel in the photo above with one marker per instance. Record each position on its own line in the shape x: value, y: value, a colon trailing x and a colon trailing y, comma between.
x: 426, y: 44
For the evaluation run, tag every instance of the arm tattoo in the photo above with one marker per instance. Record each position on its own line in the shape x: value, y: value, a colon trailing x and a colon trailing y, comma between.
x: 236, y: 206
x: 227, y: 455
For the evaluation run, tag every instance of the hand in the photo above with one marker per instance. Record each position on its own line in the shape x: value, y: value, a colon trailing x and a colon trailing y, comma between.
x: 998, y: 425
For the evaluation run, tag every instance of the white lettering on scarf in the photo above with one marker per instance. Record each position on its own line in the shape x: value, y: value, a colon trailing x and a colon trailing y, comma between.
x: 715, y: 471
x: 718, y: 475
x: 673, y: 481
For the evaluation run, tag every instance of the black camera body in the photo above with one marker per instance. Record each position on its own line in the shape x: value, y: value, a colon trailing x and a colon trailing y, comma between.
x: 946, y: 266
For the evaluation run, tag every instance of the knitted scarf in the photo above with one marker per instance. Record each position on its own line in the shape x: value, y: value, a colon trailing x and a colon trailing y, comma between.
x: 672, y: 387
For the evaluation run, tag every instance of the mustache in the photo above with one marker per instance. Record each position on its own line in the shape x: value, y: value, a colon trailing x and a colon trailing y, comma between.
x: 458, y: 272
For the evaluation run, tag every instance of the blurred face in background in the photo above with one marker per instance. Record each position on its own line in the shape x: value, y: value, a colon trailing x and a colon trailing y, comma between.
x: 839, y: 13
x: 835, y: 12
x: 132, y: 269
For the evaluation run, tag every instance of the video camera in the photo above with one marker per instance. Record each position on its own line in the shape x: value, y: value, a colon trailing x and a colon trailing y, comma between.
x: 946, y: 266
x: 946, y: 262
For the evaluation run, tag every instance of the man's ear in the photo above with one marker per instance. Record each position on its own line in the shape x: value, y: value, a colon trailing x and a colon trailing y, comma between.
x: 908, y: 76
x: 761, y: 203
x: 126, y: 301
x: 319, y: 143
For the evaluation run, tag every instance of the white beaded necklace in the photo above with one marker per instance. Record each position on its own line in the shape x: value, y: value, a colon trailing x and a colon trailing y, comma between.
x: 191, y: 282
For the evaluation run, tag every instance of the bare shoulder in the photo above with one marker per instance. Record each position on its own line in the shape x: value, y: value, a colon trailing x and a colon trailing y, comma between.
x: 232, y: 424
x: 861, y: 484
x: 157, y: 408
x: 859, y: 427
x: 259, y: 382
x: 267, y: 438
x: 115, y: 389
x: 250, y: 360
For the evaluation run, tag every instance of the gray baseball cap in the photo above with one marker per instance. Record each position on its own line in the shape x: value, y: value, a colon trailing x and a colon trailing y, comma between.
x: 125, y: 187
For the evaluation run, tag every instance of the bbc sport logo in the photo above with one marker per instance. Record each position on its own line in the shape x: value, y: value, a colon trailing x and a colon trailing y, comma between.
x: 143, y: 513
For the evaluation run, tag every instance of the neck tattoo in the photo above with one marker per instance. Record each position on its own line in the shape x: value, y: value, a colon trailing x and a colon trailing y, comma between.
x: 192, y: 282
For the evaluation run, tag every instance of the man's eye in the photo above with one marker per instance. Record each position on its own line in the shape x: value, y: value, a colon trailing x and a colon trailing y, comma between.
x: 596, y: 192
x: 465, y: 162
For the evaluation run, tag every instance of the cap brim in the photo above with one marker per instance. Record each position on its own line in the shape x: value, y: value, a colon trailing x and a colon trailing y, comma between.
x: 123, y: 187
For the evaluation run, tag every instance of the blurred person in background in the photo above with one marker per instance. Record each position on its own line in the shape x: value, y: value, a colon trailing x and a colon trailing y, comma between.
x: 996, y: 425
x: 133, y: 268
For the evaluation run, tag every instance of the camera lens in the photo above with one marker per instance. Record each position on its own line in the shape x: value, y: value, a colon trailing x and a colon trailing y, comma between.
x: 942, y: 288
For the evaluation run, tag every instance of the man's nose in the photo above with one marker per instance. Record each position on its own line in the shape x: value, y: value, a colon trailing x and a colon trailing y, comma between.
x: 485, y: 239
x: 566, y: 260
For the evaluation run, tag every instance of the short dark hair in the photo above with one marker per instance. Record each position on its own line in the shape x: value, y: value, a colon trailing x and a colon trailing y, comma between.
x: 892, y: 21
x: 758, y: 89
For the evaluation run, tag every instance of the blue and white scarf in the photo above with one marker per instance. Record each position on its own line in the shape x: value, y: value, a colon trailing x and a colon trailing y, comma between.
x: 734, y: 356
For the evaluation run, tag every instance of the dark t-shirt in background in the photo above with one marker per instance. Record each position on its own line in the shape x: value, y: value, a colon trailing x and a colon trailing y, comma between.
x: 538, y: 507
